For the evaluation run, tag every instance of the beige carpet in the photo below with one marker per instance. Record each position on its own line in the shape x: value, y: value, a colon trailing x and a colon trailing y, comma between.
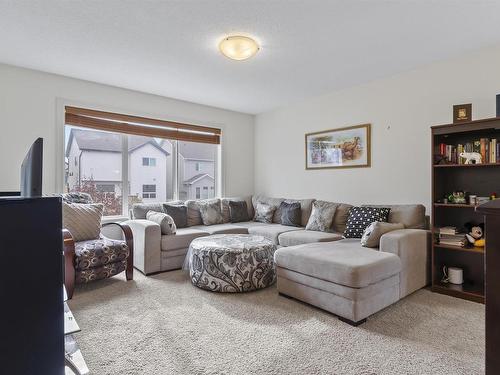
x: 164, y: 325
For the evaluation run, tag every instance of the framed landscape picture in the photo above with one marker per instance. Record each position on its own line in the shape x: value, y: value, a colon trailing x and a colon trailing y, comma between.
x: 339, y: 148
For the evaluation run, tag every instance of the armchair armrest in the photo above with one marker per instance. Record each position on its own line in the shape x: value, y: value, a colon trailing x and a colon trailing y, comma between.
x: 147, y: 245
x: 412, y: 246
x: 129, y: 239
x: 69, y: 262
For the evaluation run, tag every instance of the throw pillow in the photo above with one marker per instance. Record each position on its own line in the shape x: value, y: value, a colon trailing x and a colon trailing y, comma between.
x: 193, y: 213
x: 291, y: 214
x: 374, y: 231
x: 83, y: 220
x: 210, y: 211
x: 238, y: 211
x: 178, y: 213
x: 166, y: 222
x: 361, y: 217
x: 321, y: 216
x: 139, y: 210
x: 264, y: 213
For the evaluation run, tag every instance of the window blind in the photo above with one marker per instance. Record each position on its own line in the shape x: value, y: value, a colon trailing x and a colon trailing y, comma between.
x: 137, y: 125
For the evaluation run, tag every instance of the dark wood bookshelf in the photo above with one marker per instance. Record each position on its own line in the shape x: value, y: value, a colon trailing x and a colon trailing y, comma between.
x: 477, y: 179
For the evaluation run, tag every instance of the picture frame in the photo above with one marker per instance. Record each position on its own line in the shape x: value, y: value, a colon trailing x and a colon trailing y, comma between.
x: 348, y: 147
x: 462, y: 113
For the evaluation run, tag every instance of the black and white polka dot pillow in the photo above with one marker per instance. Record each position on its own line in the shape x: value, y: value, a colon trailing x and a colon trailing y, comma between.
x: 361, y: 217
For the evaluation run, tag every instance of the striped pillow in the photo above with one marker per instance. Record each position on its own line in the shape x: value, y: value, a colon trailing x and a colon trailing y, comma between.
x: 83, y: 220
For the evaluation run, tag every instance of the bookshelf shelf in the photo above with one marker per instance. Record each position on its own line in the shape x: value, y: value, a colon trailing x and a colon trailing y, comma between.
x: 454, y: 205
x: 466, y: 165
x: 470, y: 249
x: 476, y: 179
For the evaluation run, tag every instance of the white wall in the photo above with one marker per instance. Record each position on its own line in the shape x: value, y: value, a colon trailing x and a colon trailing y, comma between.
x: 29, y: 106
x: 401, y: 110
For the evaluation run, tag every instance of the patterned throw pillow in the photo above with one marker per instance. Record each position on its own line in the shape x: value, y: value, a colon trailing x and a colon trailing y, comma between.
x: 238, y: 211
x: 264, y: 213
x: 166, y: 222
x: 291, y: 214
x: 321, y: 216
x: 83, y: 220
x: 211, y: 212
x: 178, y: 213
x: 374, y: 231
x: 361, y: 217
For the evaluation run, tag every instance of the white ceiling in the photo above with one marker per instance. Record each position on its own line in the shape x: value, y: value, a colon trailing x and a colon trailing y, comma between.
x: 309, y: 47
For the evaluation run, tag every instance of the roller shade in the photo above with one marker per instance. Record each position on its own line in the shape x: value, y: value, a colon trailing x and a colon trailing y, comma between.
x: 136, y: 125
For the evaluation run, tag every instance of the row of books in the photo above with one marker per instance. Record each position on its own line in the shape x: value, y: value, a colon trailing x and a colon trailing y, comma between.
x: 451, y: 236
x: 488, y: 148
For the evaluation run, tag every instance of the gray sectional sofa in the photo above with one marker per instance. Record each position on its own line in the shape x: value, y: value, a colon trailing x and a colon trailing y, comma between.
x: 320, y: 268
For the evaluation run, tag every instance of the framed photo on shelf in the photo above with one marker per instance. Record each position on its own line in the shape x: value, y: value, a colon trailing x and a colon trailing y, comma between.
x: 462, y: 113
x: 339, y: 148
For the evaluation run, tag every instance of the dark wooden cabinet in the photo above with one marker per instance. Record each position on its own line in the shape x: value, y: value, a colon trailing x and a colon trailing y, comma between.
x: 491, y: 212
x: 31, y: 286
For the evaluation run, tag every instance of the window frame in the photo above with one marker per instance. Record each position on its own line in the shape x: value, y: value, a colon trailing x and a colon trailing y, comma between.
x: 60, y: 124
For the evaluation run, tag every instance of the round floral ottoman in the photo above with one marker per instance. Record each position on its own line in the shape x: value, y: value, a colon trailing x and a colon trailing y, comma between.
x: 231, y: 263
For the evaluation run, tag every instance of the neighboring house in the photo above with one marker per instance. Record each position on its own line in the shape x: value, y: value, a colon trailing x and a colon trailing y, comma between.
x: 97, y: 156
x: 196, y: 170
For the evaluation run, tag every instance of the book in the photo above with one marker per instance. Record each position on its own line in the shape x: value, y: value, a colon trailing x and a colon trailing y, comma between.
x: 448, y: 230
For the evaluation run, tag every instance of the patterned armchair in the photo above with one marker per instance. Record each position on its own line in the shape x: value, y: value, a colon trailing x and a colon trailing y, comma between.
x: 95, y: 259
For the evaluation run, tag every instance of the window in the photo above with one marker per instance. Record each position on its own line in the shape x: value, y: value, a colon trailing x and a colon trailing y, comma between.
x: 150, y: 162
x: 148, y: 191
x: 111, y: 166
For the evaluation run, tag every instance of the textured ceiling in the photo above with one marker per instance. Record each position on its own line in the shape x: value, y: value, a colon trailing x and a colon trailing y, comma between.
x: 309, y: 47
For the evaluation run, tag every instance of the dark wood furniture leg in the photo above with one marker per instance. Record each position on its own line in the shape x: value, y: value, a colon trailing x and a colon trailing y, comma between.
x: 129, y: 239
x: 69, y: 262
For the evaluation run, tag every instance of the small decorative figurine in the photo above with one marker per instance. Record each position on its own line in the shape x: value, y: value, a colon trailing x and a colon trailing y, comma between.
x: 470, y: 157
x: 475, y: 234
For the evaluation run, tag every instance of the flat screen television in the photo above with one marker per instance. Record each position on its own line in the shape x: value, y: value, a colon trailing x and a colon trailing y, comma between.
x: 31, y: 171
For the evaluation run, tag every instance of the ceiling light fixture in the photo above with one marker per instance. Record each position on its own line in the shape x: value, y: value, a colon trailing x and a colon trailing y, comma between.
x: 238, y: 47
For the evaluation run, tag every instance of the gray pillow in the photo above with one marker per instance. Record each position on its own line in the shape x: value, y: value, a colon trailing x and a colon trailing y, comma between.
x: 139, y: 210
x: 374, y: 231
x: 291, y: 214
x: 211, y: 212
x: 178, y: 213
x: 238, y: 211
x: 321, y: 216
x: 83, y: 220
x: 264, y: 213
x: 166, y: 222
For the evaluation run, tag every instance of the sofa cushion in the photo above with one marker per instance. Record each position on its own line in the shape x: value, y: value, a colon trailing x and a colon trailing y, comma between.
x: 83, y: 220
x: 181, y: 239
x: 305, y: 209
x: 306, y: 236
x: 275, y: 202
x: 264, y: 213
x: 178, y: 213
x: 238, y: 211
x: 97, y: 253
x: 210, y: 211
x: 166, y: 222
x: 343, y: 262
x: 412, y: 216
x: 271, y: 231
x: 226, y: 228
x: 291, y: 214
x: 361, y: 217
x: 250, y: 223
x: 225, y: 207
x: 374, y: 231
x: 341, y: 216
x: 322, y: 214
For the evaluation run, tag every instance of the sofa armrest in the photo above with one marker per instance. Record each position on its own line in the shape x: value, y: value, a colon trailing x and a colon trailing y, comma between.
x: 412, y: 246
x: 147, y: 245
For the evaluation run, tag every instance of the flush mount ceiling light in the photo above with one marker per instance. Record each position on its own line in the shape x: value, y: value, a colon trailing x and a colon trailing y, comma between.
x: 238, y: 47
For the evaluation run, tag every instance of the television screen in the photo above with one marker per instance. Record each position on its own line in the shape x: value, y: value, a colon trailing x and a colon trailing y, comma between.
x: 31, y: 171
